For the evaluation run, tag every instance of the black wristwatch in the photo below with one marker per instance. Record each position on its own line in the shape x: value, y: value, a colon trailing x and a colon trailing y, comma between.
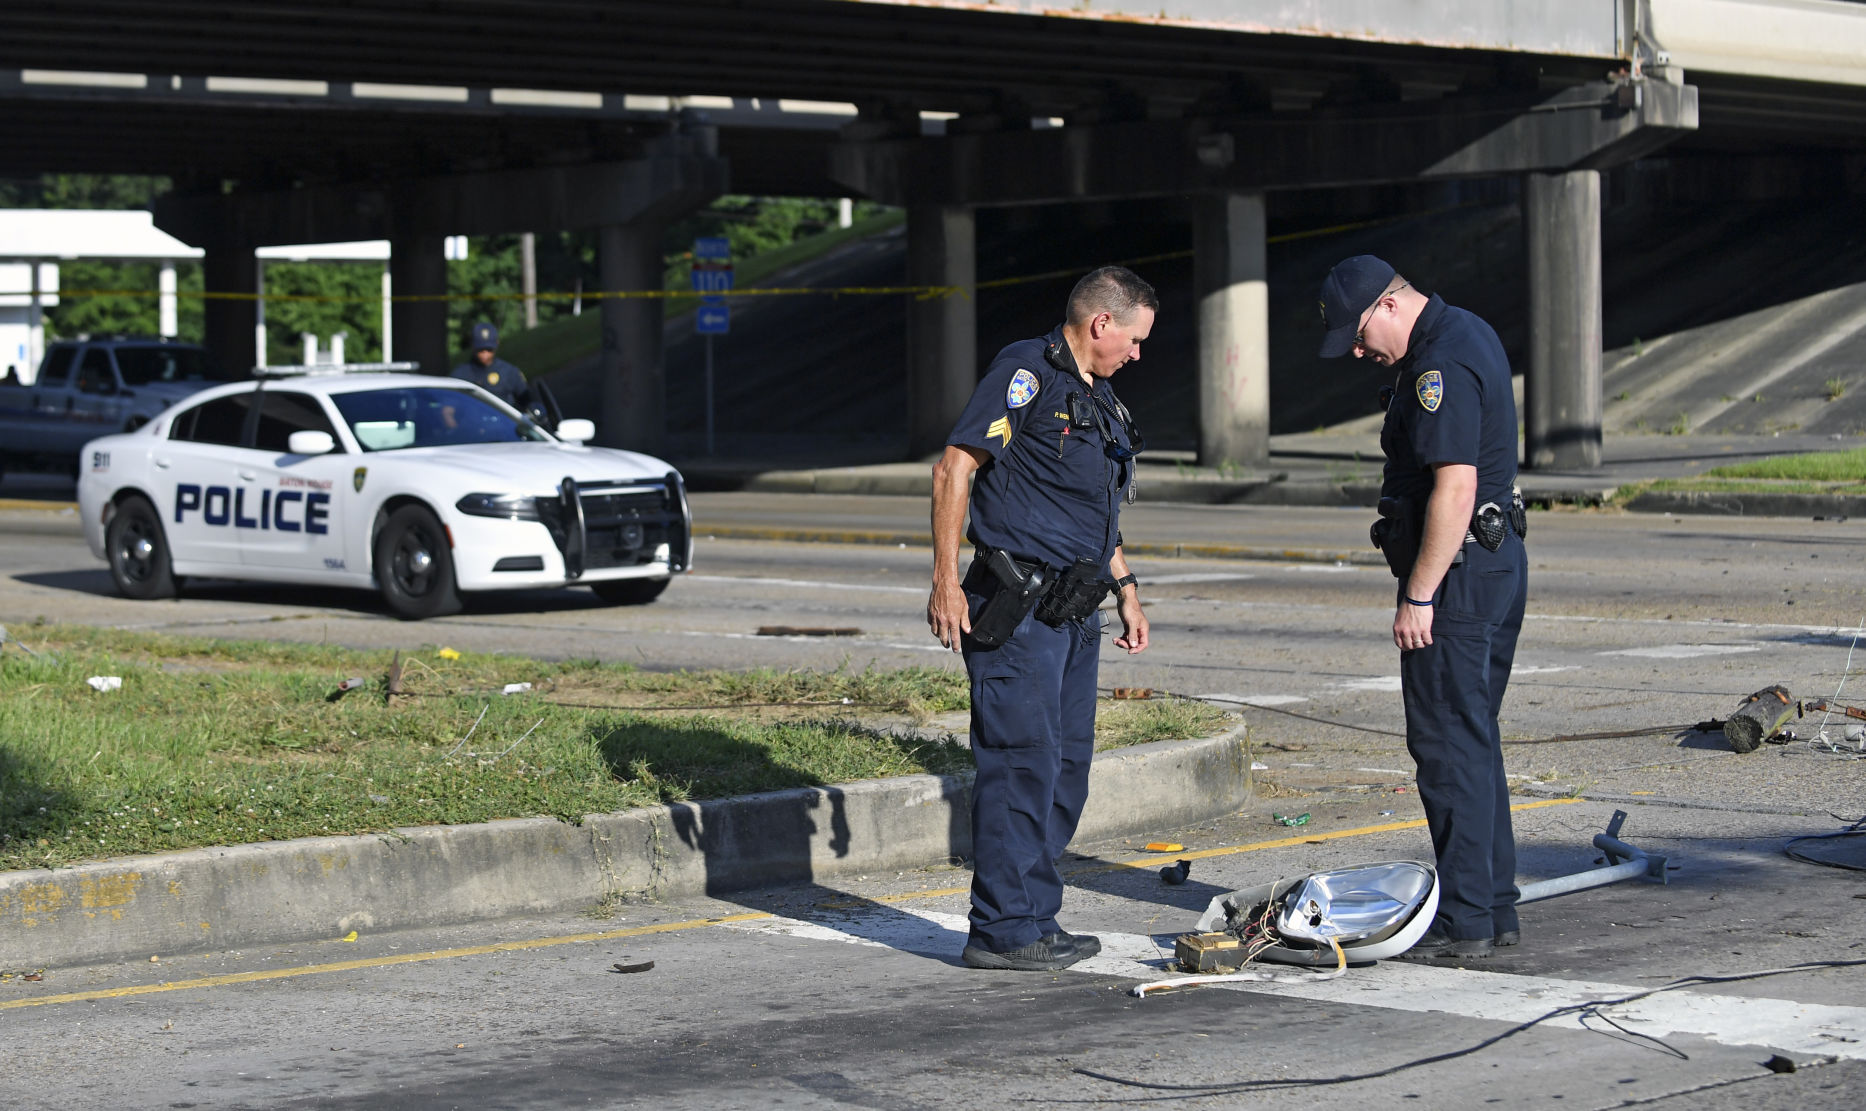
x: 1121, y: 583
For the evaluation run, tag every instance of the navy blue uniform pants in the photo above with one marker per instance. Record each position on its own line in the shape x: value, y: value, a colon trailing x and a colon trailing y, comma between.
x: 1033, y: 735
x: 1454, y: 690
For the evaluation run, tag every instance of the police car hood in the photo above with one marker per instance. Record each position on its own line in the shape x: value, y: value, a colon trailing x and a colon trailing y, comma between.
x: 532, y: 468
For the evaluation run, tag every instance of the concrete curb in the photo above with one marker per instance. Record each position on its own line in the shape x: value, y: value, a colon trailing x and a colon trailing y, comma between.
x: 1749, y: 505
x: 324, y: 887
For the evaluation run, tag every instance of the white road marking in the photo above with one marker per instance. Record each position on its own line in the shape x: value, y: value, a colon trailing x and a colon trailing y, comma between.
x: 1327, y: 568
x: 815, y: 640
x: 1521, y: 670
x: 1684, y: 651
x: 1214, y: 577
x: 808, y: 583
x: 1780, y: 1024
x: 1372, y: 683
x: 1256, y: 699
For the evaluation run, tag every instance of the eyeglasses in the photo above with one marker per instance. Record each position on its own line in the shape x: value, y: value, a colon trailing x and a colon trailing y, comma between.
x: 1360, y: 334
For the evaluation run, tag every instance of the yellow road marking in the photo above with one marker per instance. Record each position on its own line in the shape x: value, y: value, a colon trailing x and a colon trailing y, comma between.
x: 669, y: 927
x: 378, y: 962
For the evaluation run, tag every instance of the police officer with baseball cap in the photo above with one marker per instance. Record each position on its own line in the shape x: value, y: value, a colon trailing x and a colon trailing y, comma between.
x: 1451, y: 527
x: 1044, y: 453
x: 489, y: 372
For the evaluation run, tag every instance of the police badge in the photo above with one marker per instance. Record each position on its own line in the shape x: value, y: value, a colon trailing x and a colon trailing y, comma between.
x: 357, y: 476
x: 1023, y: 389
x: 1431, y: 387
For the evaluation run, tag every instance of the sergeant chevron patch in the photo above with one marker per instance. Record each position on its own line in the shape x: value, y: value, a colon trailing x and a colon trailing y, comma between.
x: 1000, y: 428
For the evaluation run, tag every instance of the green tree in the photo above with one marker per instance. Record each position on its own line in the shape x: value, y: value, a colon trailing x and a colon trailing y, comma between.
x: 129, y: 305
x: 348, y: 298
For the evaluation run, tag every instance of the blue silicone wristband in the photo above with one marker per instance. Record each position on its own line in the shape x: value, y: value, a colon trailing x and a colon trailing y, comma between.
x: 1415, y: 602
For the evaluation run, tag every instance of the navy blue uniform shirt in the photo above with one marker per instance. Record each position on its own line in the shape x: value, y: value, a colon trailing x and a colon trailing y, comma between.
x: 500, y: 379
x: 1452, y: 403
x: 1048, y: 492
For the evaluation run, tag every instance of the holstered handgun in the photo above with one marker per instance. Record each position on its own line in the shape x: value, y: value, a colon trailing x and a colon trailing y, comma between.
x: 1010, y: 589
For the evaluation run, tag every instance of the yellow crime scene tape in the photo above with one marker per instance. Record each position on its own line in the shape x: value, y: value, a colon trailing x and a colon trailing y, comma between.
x: 918, y: 292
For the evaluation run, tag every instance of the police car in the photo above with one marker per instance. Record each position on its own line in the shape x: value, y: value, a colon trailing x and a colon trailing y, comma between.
x: 422, y: 488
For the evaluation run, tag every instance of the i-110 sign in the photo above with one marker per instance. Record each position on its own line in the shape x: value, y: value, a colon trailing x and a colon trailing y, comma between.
x: 712, y: 264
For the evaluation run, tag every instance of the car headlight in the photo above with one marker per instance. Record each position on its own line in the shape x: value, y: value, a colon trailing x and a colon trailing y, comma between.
x: 512, y: 507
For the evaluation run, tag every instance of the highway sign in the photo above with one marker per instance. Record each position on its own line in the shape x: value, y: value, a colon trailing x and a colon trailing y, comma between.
x: 712, y: 318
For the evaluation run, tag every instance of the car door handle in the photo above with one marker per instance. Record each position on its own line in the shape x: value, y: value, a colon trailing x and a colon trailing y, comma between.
x: 249, y: 475
x: 162, y: 463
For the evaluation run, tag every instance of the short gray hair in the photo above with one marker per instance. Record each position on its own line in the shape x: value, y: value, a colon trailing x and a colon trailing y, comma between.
x: 1115, y: 290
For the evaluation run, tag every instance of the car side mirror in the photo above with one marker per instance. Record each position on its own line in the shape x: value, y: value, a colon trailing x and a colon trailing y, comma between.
x: 310, y: 441
x: 576, y: 430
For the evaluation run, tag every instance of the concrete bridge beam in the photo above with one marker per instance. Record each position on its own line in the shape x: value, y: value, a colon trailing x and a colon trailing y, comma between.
x: 633, y: 411
x: 418, y: 267
x: 1562, y: 405
x: 230, y: 325
x: 1231, y: 284
x: 942, y: 332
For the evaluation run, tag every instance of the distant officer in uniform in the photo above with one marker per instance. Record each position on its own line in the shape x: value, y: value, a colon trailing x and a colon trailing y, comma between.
x: 1451, y: 527
x: 489, y: 372
x: 1052, y: 450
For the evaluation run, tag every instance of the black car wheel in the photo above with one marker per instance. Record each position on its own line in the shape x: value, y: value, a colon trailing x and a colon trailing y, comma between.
x: 415, y: 566
x: 629, y: 592
x: 138, y: 552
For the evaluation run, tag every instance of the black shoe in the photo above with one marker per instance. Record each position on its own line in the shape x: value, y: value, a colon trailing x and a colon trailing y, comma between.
x: 1087, y: 945
x: 1436, y: 946
x: 1047, y: 954
x: 1507, y: 938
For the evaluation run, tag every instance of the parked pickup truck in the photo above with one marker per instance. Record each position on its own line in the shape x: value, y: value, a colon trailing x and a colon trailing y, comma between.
x: 96, y: 387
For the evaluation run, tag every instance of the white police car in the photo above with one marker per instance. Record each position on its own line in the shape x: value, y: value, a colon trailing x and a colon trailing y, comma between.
x: 423, y: 488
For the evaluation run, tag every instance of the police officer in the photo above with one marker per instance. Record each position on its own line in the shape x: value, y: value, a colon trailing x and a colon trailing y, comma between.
x: 489, y: 372
x: 1051, y: 448
x: 1451, y: 530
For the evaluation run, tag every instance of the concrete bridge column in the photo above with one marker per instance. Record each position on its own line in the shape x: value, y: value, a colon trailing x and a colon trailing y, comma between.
x: 1562, y: 387
x: 229, y: 324
x: 1230, y: 282
x: 942, y: 332
x: 418, y: 266
x: 634, y: 379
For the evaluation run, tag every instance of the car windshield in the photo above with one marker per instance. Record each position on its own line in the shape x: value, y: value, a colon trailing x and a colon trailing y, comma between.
x: 143, y: 365
x: 428, y: 416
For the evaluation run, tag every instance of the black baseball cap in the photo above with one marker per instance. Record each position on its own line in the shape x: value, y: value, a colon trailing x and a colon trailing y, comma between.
x: 485, y: 337
x: 1350, y: 287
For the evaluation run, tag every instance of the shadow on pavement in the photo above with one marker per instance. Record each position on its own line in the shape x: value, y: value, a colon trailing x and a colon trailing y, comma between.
x: 760, y: 851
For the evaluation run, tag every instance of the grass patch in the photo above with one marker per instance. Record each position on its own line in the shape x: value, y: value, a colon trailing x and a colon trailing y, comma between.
x: 1814, y: 466
x: 552, y: 346
x: 1122, y: 723
x: 215, y: 742
x: 1818, y: 472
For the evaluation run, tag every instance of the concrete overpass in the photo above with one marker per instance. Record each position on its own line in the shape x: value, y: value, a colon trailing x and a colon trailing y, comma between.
x: 409, y: 121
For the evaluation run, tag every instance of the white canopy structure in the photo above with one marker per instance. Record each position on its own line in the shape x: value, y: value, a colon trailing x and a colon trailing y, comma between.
x: 34, y: 241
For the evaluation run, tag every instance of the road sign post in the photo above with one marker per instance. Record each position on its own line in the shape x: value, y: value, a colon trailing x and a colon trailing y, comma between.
x: 712, y: 276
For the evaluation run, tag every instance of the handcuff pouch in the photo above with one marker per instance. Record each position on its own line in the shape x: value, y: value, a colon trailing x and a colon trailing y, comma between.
x: 1076, y: 595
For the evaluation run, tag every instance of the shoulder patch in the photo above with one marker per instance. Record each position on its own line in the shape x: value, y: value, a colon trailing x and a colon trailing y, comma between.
x: 1022, y: 391
x: 1431, y: 387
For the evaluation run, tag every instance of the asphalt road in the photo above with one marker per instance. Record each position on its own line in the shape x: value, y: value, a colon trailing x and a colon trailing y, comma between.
x: 848, y: 993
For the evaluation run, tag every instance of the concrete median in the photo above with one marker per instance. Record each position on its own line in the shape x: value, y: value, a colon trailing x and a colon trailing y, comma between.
x: 277, y: 892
